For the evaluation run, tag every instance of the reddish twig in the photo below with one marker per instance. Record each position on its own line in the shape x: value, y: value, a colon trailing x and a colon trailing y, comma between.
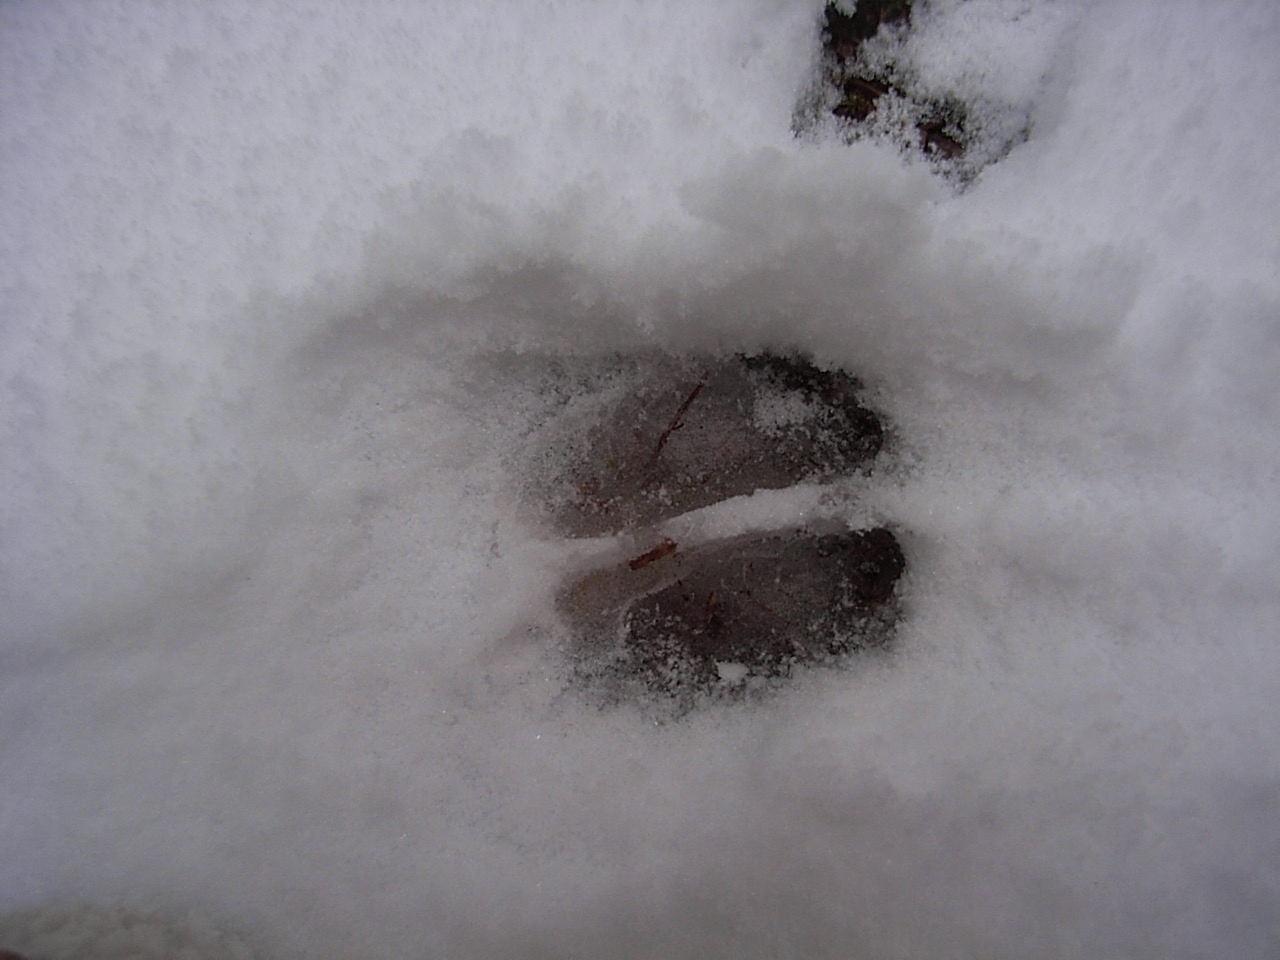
x: 674, y: 424
x: 665, y: 549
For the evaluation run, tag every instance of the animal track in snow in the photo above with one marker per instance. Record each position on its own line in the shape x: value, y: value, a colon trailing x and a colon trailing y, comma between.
x: 676, y: 625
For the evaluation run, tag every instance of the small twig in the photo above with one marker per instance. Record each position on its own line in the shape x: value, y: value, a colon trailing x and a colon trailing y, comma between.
x: 711, y: 607
x: 665, y: 549
x: 674, y: 424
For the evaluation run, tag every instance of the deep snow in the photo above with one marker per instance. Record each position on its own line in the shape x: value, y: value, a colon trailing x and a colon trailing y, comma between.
x: 284, y: 287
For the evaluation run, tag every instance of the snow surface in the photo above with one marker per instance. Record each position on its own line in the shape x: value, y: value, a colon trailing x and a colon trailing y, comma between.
x: 283, y: 287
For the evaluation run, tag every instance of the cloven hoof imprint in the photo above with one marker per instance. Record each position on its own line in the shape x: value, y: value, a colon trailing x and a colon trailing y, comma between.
x: 675, y: 626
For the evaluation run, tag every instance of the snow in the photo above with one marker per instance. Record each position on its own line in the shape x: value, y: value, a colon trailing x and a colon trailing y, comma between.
x: 288, y: 293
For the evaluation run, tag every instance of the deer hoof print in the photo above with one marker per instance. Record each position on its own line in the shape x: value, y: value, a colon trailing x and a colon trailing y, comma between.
x: 677, y: 622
